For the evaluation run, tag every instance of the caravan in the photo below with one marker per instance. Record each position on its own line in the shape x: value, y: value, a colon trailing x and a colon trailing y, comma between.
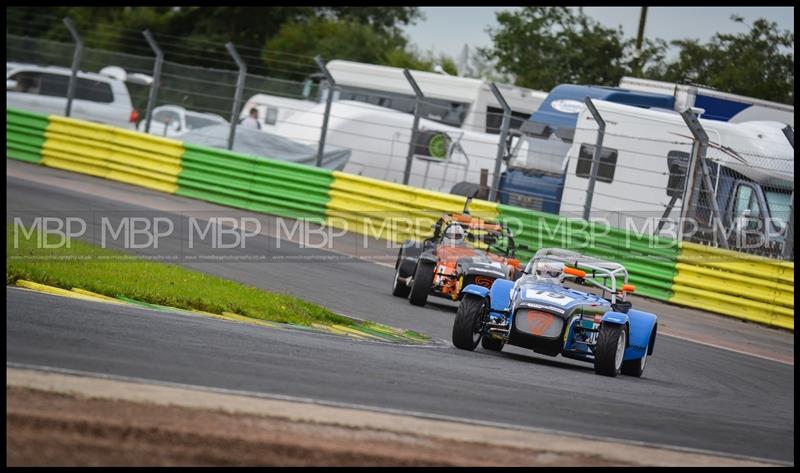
x: 372, y: 114
x: 641, y: 174
x: 716, y: 105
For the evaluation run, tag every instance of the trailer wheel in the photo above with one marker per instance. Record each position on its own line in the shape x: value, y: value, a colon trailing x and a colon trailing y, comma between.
x: 610, y: 349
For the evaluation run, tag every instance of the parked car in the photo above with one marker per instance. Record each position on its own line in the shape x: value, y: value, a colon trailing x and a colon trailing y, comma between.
x: 538, y: 313
x: 101, y: 98
x: 174, y: 120
x: 463, y: 251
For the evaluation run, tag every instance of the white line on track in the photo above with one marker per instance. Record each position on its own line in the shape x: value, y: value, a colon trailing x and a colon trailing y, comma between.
x: 385, y: 410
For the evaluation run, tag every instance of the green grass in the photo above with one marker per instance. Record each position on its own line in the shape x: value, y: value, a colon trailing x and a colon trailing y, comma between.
x: 83, y: 266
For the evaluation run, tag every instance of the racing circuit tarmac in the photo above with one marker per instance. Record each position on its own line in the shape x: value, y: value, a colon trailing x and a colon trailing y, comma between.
x: 692, y: 395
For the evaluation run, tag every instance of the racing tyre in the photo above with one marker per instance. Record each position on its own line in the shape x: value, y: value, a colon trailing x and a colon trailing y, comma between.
x: 492, y: 344
x: 399, y: 288
x: 466, y: 327
x: 421, y: 285
x: 610, y: 349
x: 635, y: 367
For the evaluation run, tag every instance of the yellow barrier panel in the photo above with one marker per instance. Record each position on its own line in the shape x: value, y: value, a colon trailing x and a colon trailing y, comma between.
x: 392, y: 211
x: 112, y: 153
x: 735, y: 284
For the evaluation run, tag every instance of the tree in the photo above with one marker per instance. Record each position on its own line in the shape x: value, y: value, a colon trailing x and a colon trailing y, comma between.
x: 341, y: 39
x: 546, y: 46
x: 758, y: 63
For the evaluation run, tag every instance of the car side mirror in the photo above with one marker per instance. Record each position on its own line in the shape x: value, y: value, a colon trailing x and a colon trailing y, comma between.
x: 11, y: 84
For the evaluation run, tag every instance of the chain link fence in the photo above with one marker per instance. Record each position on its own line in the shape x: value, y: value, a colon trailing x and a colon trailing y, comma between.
x: 647, y: 171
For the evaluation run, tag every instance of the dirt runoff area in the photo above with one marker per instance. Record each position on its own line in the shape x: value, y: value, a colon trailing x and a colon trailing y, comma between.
x: 46, y: 428
x: 81, y: 419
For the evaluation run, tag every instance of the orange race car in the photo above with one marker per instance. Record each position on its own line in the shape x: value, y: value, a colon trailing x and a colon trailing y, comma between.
x: 463, y: 250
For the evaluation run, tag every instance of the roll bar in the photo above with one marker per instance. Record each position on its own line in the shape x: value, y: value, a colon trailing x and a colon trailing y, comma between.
x: 594, y: 269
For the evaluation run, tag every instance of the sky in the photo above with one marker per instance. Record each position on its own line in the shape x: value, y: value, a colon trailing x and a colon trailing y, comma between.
x: 447, y: 29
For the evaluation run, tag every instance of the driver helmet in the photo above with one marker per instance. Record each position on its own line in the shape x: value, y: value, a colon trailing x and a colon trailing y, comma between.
x: 453, y: 234
x: 550, y: 270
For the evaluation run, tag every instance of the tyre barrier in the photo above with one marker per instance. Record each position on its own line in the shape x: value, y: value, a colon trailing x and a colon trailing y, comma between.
x: 254, y: 183
x: 25, y: 135
x: 725, y: 282
x: 392, y: 211
x: 112, y: 153
x: 738, y: 285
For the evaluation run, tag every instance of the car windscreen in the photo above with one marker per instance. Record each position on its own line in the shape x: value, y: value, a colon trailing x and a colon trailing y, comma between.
x: 57, y: 85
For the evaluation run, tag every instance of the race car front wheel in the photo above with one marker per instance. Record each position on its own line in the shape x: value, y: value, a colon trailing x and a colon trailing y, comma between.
x: 421, y: 285
x: 467, y: 326
x: 610, y: 349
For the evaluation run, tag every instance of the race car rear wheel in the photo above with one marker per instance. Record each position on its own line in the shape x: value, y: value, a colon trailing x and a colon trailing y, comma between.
x: 421, y: 285
x: 610, y: 349
x: 399, y: 288
x: 492, y: 344
x: 467, y: 325
x: 635, y: 367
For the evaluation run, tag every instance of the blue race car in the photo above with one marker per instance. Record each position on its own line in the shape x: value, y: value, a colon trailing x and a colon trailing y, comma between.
x: 539, y: 313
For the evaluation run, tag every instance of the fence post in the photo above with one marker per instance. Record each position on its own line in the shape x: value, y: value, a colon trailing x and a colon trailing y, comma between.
x: 237, y: 98
x: 501, y: 145
x: 697, y: 163
x: 788, y: 242
x: 76, y: 62
x: 328, y: 101
x: 598, y: 151
x: 417, y: 106
x: 151, y: 97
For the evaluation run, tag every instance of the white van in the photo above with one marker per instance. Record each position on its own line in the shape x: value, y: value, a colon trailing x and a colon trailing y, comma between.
x: 98, y: 97
x: 752, y: 164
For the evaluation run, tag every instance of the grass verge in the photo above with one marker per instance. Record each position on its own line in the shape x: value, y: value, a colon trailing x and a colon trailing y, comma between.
x: 113, y: 273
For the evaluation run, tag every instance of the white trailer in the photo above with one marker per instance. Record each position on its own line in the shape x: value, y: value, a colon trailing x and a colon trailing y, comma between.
x: 639, y: 148
x: 379, y: 140
x: 372, y: 115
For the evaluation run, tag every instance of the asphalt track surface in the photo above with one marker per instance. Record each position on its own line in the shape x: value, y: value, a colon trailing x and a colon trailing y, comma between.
x: 692, y: 395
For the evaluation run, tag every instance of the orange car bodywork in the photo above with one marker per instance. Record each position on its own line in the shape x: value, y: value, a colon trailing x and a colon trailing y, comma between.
x: 445, y: 278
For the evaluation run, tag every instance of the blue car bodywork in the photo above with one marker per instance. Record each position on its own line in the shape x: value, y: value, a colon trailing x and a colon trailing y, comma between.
x: 574, y: 318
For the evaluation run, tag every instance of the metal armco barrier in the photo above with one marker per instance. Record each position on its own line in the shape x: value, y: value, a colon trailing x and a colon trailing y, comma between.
x: 735, y: 284
x: 721, y: 281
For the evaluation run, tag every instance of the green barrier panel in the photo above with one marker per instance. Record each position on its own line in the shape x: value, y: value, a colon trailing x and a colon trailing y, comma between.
x: 25, y: 135
x: 650, y: 260
x: 254, y: 183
